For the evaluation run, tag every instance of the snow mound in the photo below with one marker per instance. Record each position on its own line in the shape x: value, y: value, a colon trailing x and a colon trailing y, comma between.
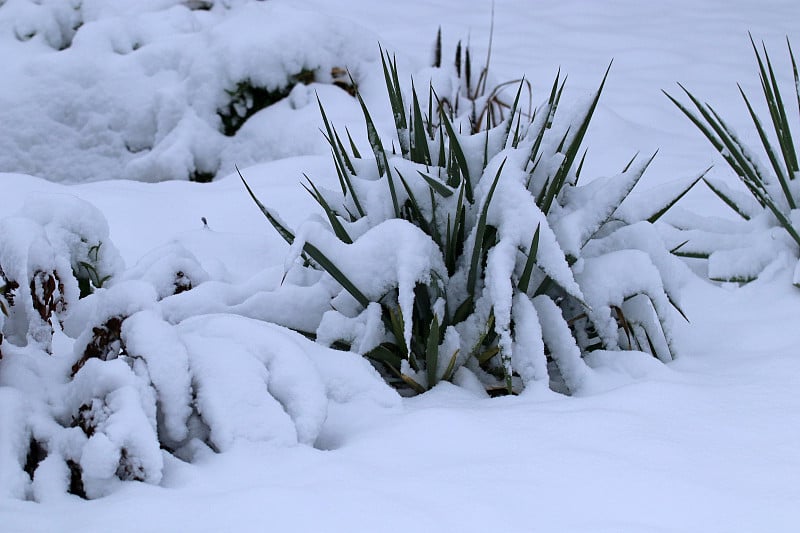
x: 163, y: 90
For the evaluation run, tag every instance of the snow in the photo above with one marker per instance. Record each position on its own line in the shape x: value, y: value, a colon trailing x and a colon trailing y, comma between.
x: 135, y: 91
x: 283, y: 398
x: 312, y: 439
x: 171, y: 269
x: 12, y: 477
x: 363, y: 332
x: 566, y: 355
x: 147, y: 336
x: 527, y: 353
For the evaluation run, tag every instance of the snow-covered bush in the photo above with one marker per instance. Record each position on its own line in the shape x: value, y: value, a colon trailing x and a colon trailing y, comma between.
x: 55, y: 250
x: 99, y: 387
x: 769, y: 222
x: 480, y: 258
x: 110, y: 410
x: 155, y: 90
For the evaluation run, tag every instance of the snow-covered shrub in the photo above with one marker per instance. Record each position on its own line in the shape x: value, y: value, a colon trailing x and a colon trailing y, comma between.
x: 136, y: 384
x: 134, y: 387
x: 100, y: 388
x: 55, y: 250
x: 769, y: 225
x: 481, y: 255
x: 186, y: 389
x: 156, y: 90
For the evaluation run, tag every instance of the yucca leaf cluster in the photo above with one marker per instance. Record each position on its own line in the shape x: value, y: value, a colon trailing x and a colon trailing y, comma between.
x: 738, y: 252
x: 503, y: 296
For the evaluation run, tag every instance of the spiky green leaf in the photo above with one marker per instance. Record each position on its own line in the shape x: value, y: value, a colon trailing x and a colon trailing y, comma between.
x: 675, y: 199
x: 525, y: 278
x: 432, y: 352
x: 333, y: 219
x: 477, y: 247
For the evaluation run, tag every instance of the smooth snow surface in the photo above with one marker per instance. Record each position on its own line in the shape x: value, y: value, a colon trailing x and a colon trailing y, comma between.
x: 707, y: 443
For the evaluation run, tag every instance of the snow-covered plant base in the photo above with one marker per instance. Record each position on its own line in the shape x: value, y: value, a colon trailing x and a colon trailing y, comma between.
x: 479, y: 259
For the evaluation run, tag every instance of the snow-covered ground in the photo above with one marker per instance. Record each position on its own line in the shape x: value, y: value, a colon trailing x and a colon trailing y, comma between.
x: 710, y: 442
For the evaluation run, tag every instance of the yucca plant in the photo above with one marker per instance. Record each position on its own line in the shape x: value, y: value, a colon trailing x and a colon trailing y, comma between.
x: 495, y: 246
x: 739, y: 252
